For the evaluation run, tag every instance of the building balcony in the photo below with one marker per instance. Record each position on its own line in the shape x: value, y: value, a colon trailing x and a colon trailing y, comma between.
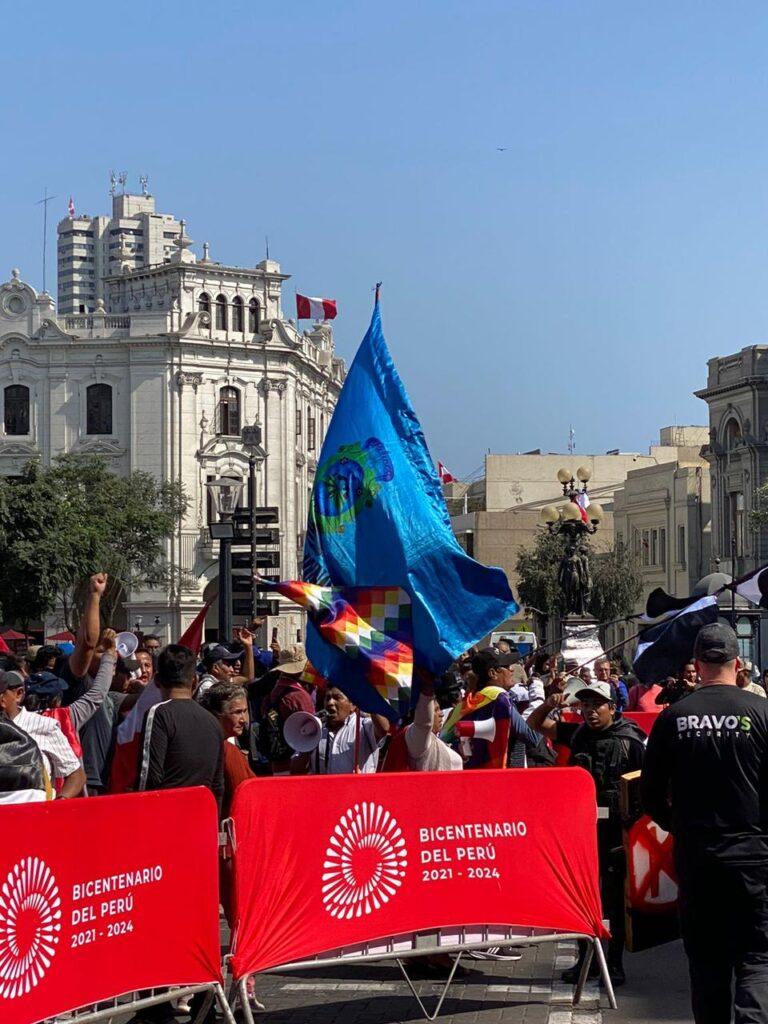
x: 91, y: 325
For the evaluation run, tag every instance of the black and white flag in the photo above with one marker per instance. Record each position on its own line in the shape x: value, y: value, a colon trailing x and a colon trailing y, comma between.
x: 755, y: 587
x: 664, y: 648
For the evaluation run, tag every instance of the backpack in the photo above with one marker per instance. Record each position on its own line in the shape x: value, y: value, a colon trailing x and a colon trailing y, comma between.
x: 270, y: 740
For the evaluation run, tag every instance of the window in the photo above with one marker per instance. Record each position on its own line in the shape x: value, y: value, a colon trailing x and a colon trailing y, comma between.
x: 229, y: 412
x: 237, y: 314
x: 645, y: 550
x: 662, y: 562
x: 17, y: 409
x: 681, y: 545
x: 204, y: 303
x: 221, y: 313
x: 254, y: 316
x: 311, y: 433
x: 298, y: 421
x: 654, y: 558
x: 98, y: 416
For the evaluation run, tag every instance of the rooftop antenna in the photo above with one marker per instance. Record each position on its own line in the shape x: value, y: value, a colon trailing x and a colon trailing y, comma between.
x: 144, y: 182
x: 122, y: 179
x: 571, y: 440
x: 44, y: 203
x: 266, y: 242
x: 112, y: 184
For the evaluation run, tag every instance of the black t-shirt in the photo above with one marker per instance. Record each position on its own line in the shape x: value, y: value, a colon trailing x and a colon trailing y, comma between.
x: 181, y: 745
x: 707, y: 756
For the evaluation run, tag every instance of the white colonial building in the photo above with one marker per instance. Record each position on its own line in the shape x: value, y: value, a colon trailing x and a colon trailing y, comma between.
x: 161, y: 377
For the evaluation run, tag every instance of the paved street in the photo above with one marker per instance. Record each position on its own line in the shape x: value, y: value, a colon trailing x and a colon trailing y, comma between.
x: 526, y: 992
x: 523, y: 992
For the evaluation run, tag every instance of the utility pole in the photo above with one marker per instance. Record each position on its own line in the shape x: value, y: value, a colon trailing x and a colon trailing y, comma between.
x: 44, y: 203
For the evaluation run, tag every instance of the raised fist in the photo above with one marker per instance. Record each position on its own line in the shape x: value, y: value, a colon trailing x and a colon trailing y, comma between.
x: 98, y: 583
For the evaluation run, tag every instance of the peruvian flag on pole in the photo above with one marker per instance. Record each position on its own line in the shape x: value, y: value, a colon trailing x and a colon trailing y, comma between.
x: 315, y: 309
x: 71, y: 207
x: 445, y: 476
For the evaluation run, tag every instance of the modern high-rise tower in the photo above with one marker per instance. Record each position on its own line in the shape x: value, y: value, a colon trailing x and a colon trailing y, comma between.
x: 93, y: 248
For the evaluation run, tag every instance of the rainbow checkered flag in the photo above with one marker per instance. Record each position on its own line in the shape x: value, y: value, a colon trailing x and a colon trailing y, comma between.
x: 367, y: 638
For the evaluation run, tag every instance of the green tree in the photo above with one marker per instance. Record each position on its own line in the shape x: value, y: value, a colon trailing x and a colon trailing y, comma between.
x: 616, y: 580
x: 60, y: 524
x: 758, y: 515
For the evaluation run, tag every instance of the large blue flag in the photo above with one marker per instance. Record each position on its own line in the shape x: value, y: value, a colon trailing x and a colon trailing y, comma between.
x: 378, y: 518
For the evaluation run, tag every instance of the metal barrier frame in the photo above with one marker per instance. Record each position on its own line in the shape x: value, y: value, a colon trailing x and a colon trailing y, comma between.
x: 423, y: 943
x: 106, y: 1009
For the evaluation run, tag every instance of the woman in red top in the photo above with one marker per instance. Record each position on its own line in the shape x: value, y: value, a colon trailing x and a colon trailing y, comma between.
x: 229, y: 704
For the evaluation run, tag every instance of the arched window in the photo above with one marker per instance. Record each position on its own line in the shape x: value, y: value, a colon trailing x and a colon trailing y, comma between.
x: 204, y: 303
x: 229, y: 412
x: 237, y: 314
x: 221, y: 313
x: 16, y: 409
x: 254, y: 316
x: 98, y: 413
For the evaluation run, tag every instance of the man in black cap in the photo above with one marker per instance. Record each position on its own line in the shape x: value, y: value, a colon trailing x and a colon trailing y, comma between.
x: 705, y: 780
x: 607, y: 745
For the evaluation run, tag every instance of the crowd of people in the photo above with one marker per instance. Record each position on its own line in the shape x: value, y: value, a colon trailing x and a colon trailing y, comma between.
x: 218, y: 717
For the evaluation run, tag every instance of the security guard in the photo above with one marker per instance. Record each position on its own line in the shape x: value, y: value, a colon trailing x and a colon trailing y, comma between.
x: 705, y: 780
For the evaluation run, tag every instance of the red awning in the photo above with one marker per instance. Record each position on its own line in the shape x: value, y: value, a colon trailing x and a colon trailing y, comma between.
x: 62, y: 637
x: 11, y: 634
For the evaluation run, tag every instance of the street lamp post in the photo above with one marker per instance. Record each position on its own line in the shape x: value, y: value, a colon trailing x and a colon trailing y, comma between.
x: 574, y: 521
x: 735, y: 530
x: 225, y: 492
x: 251, y: 438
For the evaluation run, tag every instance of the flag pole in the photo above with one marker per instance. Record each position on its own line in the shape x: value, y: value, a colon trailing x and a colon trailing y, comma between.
x: 357, y: 741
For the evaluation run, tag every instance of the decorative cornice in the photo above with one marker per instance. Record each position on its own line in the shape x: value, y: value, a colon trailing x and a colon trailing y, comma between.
x: 100, y: 446
x: 184, y: 377
x: 266, y: 384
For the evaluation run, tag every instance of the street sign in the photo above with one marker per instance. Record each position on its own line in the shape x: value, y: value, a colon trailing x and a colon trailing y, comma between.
x: 243, y: 607
x: 251, y: 436
x: 265, y: 514
x: 263, y: 537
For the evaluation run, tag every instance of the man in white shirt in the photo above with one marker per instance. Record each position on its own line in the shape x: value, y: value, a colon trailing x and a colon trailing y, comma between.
x: 59, y: 757
x: 335, y: 754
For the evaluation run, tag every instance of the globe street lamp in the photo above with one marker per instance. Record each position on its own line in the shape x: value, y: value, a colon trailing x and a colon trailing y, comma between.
x: 574, y: 521
x: 225, y: 494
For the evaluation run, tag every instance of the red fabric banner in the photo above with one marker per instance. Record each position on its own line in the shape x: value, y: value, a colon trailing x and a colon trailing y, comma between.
x: 102, y: 897
x: 328, y: 861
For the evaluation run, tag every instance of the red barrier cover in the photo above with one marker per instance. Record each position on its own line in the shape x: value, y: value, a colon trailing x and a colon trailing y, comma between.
x: 327, y: 861
x: 100, y: 897
x: 645, y: 719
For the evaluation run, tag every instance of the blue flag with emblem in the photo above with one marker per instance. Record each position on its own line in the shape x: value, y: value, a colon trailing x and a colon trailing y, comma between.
x: 378, y: 518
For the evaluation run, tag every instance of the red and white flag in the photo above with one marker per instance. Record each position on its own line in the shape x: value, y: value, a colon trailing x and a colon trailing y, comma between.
x: 582, y: 500
x: 125, y: 761
x: 445, y: 476
x: 315, y: 309
x: 71, y: 207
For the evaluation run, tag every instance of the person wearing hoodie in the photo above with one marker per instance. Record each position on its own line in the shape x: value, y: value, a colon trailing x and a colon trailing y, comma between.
x: 607, y: 745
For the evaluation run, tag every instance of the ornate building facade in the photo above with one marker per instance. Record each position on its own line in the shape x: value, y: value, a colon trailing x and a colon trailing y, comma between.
x: 162, y: 377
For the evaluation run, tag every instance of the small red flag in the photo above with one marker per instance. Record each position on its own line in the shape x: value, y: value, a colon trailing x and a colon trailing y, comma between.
x: 71, y: 207
x: 315, y: 309
x: 192, y: 638
x: 445, y: 476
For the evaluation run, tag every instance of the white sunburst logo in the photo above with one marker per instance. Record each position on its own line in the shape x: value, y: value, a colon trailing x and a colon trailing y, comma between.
x: 30, y: 923
x: 365, y: 862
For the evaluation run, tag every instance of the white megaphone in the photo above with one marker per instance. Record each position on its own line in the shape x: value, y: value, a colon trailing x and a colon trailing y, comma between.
x: 302, y: 731
x: 126, y: 644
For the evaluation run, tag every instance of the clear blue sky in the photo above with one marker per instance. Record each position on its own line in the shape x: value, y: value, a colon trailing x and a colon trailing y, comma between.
x: 584, y: 275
